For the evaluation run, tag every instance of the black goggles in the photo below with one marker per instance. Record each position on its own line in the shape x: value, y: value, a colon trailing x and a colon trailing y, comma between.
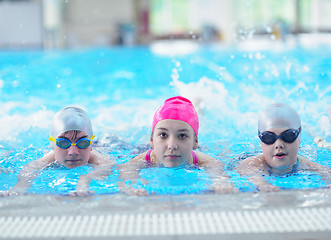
x: 288, y: 136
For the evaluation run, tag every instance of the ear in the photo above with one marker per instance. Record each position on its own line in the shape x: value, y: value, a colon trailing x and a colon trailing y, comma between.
x: 196, y: 143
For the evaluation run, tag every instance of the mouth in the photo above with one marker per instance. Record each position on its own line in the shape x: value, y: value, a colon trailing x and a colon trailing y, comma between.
x: 172, y: 156
x: 280, y: 155
x: 72, y: 160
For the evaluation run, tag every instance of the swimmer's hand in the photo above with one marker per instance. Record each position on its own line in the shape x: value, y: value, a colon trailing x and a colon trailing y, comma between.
x: 5, y: 171
x: 83, y: 185
x: 81, y: 193
x: 12, y: 192
x: 223, y: 186
x: 130, y: 190
x: 261, y: 184
x: 100, y: 172
x: 268, y: 188
x: 135, y: 191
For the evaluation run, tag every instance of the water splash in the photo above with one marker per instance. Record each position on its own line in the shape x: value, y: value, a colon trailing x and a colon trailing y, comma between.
x: 121, y: 90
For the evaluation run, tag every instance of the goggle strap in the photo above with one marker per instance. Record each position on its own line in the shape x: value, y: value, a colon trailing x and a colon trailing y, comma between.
x: 52, y: 139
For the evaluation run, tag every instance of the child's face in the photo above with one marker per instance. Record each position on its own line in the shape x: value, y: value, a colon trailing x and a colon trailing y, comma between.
x: 173, y: 142
x: 281, y: 155
x: 72, y: 156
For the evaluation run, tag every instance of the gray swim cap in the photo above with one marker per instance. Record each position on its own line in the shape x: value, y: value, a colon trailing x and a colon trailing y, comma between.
x: 278, y: 115
x: 71, y: 118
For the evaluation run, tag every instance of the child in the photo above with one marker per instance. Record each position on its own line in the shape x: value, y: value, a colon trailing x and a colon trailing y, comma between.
x: 173, y: 139
x: 71, y: 137
x: 280, y: 129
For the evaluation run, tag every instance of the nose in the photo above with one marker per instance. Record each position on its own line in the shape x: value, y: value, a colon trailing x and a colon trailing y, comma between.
x: 73, y: 151
x: 172, y: 143
x: 279, y: 144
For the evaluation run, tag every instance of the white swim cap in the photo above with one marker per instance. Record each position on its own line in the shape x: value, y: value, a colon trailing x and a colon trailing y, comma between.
x: 71, y: 118
x: 278, y: 115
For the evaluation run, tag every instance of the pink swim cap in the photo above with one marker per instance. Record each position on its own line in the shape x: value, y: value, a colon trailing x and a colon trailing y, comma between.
x: 178, y: 108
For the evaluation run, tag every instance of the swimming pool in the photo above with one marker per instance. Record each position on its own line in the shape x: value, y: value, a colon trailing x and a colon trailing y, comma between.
x: 121, y: 88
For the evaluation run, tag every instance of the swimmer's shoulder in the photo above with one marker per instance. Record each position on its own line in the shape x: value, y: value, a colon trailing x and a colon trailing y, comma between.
x: 97, y: 158
x: 204, y: 159
x: 253, y: 165
x: 140, y: 158
x: 47, y: 159
x: 303, y: 160
x: 139, y: 161
x: 257, y: 159
x: 306, y: 164
x: 40, y: 163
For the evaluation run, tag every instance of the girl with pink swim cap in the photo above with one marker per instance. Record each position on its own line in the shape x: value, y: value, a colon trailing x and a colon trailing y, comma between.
x: 174, y: 137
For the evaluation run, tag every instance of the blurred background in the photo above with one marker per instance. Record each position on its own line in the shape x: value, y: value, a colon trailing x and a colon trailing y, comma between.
x: 120, y: 59
x: 48, y: 24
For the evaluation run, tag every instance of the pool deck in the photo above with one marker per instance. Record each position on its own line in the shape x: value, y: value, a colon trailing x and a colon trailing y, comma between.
x: 282, y: 215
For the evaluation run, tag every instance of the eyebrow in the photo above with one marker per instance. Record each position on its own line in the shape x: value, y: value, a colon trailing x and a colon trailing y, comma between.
x: 180, y: 130
x: 183, y: 130
x: 161, y: 128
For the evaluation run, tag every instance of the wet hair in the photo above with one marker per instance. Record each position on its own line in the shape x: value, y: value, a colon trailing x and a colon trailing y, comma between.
x: 74, y: 134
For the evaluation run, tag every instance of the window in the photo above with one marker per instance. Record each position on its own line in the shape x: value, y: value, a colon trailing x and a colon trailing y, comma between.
x: 169, y: 16
x: 183, y: 16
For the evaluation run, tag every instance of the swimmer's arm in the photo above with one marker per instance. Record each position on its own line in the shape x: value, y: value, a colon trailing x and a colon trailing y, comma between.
x: 310, y: 165
x: 3, y: 170
x: 254, y: 168
x: 29, y: 172
x: 323, y: 171
x: 211, y: 165
x: 214, y: 168
x: 130, y: 171
x: 102, y: 169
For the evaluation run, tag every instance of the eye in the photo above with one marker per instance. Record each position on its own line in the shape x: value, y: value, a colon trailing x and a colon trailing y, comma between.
x: 182, y: 136
x: 163, y: 135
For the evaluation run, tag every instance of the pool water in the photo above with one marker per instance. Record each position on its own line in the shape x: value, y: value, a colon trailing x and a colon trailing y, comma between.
x: 121, y: 88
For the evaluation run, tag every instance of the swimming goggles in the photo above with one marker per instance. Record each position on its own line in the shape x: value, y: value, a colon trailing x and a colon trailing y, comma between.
x: 288, y: 136
x: 65, y: 143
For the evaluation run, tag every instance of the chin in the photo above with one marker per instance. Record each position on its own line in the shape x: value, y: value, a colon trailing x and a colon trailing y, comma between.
x: 281, y: 161
x: 172, y: 164
x: 73, y: 165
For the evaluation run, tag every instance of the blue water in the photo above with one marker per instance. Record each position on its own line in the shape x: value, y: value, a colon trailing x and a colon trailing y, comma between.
x: 121, y: 88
